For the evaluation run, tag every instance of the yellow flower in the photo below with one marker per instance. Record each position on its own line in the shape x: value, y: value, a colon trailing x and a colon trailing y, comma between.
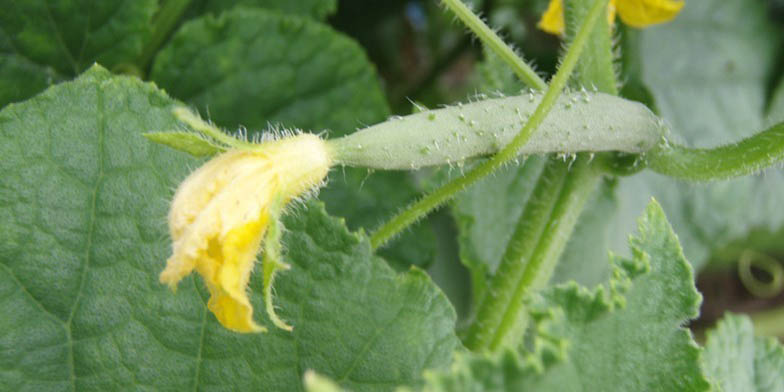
x: 220, y: 213
x: 635, y: 13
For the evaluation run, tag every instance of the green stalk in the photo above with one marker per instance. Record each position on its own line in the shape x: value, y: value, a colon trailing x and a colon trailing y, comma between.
x: 596, y: 70
x: 508, y: 153
x: 164, y: 22
x: 496, y: 44
x: 535, y: 217
x: 577, y: 188
x: 543, y: 231
x: 748, y: 156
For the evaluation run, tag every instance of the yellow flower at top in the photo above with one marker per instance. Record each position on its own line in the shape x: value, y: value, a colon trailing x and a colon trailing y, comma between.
x: 635, y: 13
x: 220, y: 213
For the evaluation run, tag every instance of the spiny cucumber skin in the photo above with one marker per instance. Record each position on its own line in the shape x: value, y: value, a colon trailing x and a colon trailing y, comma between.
x: 579, y: 121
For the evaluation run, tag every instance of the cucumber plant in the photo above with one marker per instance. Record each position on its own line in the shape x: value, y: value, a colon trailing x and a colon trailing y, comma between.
x: 300, y: 249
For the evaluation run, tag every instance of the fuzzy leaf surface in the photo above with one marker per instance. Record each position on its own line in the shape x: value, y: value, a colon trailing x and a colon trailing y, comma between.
x: 625, y: 335
x: 253, y: 67
x: 83, y: 201
x: 736, y: 360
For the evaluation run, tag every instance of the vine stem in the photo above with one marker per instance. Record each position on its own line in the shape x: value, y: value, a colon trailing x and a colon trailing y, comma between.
x: 509, y: 152
x: 496, y: 44
x: 164, y: 22
x: 541, y: 234
x: 748, y: 156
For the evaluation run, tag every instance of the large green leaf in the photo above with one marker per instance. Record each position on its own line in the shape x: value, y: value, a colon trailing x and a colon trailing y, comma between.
x: 44, y: 41
x: 736, y: 360
x: 253, y: 67
x: 318, y: 9
x: 626, y: 335
x: 83, y: 200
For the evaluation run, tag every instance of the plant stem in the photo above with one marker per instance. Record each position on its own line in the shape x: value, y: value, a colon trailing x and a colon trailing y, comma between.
x: 541, y: 234
x: 535, y: 217
x: 496, y: 44
x: 577, y: 188
x: 164, y: 22
x: 596, y: 70
x: 745, y: 157
x: 508, y: 153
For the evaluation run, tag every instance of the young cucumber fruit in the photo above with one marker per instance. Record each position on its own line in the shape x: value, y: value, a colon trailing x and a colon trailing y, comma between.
x: 579, y: 121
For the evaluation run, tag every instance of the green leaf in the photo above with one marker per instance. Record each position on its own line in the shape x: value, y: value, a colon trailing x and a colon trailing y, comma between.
x: 736, y: 360
x: 189, y: 142
x: 83, y: 206
x: 21, y: 78
x: 625, y: 335
x: 317, y: 9
x: 42, y: 42
x: 256, y: 67
x: 476, y: 372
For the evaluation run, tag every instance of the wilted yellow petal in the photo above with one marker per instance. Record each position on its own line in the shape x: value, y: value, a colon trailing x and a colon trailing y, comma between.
x: 221, y: 211
x: 229, y: 301
x: 643, y: 13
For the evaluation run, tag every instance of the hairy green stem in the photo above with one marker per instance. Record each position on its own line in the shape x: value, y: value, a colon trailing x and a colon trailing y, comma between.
x: 596, y: 70
x: 496, y: 44
x: 539, y: 238
x: 748, y: 156
x: 530, y: 226
x: 508, y: 153
x: 165, y: 20
x: 577, y: 188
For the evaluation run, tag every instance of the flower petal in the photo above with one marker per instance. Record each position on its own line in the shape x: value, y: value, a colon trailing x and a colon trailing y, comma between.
x: 221, y: 212
x: 643, y: 13
x: 553, y: 19
x: 229, y: 300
